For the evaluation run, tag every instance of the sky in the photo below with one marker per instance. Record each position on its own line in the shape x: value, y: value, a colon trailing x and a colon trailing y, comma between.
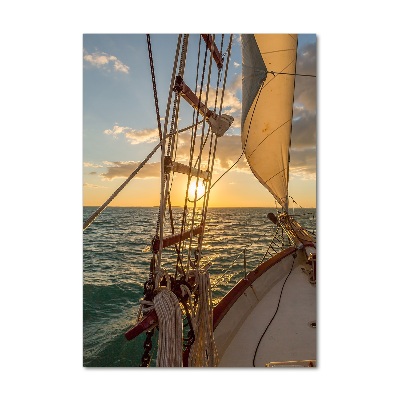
x: 42, y: 153
x: 120, y: 126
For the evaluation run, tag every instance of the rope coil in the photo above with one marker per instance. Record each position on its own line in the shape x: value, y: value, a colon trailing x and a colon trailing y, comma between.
x: 169, y: 316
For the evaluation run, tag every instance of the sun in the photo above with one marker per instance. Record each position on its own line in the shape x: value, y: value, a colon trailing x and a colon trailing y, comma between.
x: 192, y: 189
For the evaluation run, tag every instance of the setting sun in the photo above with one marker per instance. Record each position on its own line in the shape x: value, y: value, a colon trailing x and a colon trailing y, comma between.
x: 192, y: 189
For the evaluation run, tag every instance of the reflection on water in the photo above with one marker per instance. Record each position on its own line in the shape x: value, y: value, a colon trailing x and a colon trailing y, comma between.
x: 115, y: 268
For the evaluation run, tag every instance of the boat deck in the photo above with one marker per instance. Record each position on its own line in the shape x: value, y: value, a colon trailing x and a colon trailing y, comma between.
x: 290, y: 337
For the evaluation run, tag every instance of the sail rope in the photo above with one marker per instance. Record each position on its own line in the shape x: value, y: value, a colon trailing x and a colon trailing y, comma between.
x: 294, y: 201
x: 173, y: 143
x: 132, y: 175
x: 276, y: 311
x: 287, y: 73
x: 153, y: 79
x: 273, y: 241
x: 244, y: 145
x: 245, y: 142
x: 115, y: 194
x: 211, y: 168
x: 195, y: 117
x: 172, y: 297
x: 305, y: 213
x: 203, y: 352
x: 160, y: 224
x: 199, y: 157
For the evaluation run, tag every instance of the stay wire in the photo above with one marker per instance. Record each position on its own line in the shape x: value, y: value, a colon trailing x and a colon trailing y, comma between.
x: 245, y: 143
x: 153, y: 79
x: 211, y: 155
x: 193, y: 139
x: 207, y: 91
x: 248, y: 130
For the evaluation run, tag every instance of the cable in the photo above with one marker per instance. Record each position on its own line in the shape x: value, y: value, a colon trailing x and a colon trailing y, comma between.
x: 287, y: 73
x: 279, y: 302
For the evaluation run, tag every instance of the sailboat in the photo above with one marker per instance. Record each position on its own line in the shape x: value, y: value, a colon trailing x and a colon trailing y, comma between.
x: 268, y: 319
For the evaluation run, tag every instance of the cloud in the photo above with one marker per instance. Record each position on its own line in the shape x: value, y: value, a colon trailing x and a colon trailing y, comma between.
x: 91, y: 165
x: 92, y: 186
x: 105, y: 61
x: 122, y: 169
x: 306, y: 87
x: 238, y: 38
x: 229, y: 150
x: 304, y: 130
x: 134, y: 136
x: 303, y: 163
x: 231, y: 103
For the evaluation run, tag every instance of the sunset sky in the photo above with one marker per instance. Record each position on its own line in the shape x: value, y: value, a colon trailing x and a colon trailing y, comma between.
x: 42, y: 157
x: 120, y: 127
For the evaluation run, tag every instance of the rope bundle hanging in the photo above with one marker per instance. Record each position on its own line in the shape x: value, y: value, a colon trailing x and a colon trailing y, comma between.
x: 169, y: 315
x: 203, y: 352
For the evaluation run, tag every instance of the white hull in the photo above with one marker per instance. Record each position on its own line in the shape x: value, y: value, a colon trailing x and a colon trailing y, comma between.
x: 290, y: 336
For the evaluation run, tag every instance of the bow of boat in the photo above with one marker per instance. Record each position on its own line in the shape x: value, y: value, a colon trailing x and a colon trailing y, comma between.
x: 269, y: 318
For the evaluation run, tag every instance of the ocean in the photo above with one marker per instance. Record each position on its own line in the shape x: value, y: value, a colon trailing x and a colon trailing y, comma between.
x: 116, y: 264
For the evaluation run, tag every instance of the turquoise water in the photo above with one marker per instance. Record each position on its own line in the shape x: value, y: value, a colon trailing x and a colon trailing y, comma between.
x: 115, y: 268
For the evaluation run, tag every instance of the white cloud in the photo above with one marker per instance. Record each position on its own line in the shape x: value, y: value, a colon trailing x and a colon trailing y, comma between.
x: 105, y: 61
x: 91, y: 165
x: 134, y: 136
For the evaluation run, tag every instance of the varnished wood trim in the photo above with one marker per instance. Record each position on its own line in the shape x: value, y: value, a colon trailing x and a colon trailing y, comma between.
x: 148, y: 322
x: 229, y: 300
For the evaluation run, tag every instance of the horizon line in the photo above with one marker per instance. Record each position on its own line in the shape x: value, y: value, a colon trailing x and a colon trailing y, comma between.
x: 199, y: 207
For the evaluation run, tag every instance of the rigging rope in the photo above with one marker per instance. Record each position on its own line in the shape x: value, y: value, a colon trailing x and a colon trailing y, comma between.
x: 167, y: 299
x: 191, y: 152
x: 287, y: 73
x: 199, y: 157
x: 134, y: 173
x: 203, y: 352
x: 245, y: 143
x: 153, y: 79
x: 160, y: 224
x: 115, y: 194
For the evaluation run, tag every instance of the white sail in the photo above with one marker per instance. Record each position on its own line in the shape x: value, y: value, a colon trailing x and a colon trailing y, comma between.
x: 268, y: 107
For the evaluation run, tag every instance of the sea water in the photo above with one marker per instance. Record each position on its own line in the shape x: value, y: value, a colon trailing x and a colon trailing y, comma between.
x: 116, y: 265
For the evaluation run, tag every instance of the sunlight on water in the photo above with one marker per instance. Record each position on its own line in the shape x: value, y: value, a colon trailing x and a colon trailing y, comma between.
x: 115, y: 268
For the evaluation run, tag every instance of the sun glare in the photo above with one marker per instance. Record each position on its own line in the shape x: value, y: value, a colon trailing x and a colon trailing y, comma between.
x: 192, y: 189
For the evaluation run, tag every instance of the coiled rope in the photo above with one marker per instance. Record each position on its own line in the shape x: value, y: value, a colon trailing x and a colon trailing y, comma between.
x: 169, y: 353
